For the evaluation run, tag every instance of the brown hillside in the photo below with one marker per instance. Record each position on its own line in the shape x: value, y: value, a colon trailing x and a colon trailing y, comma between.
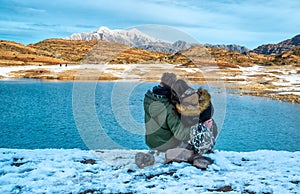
x: 288, y: 58
x: 231, y: 58
x: 12, y: 53
x: 206, y: 56
x: 215, y: 56
x: 20, y: 48
x: 116, y: 53
x: 135, y: 55
x: 68, y: 50
x: 96, y: 52
x: 55, y: 51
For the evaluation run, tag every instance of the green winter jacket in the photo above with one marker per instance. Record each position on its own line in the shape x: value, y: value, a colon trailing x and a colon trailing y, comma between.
x: 163, y: 127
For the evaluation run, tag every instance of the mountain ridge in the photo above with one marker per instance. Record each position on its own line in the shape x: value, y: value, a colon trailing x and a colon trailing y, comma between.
x: 131, y: 37
x: 57, y: 51
x: 279, y: 48
x: 135, y: 38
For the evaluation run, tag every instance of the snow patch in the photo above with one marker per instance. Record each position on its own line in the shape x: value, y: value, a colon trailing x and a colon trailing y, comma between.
x: 114, y: 171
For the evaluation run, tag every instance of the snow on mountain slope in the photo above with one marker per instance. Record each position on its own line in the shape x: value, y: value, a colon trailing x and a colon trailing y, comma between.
x: 135, y: 38
x: 114, y: 171
x: 131, y: 37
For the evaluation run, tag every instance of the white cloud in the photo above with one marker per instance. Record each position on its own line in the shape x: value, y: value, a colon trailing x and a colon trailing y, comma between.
x: 225, y: 21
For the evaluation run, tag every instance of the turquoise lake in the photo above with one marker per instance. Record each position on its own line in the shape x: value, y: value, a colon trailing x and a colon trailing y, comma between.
x: 36, y: 115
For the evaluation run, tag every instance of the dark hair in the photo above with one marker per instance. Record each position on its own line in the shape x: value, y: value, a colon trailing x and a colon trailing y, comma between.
x: 207, y: 113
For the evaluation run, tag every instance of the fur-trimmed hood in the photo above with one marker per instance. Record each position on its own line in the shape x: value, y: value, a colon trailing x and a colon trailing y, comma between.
x: 188, y: 107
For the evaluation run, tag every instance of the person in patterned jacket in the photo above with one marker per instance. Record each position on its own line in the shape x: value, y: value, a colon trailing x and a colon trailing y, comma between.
x: 196, y: 111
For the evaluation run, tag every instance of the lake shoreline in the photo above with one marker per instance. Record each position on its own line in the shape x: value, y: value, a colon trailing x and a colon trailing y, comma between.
x: 279, y: 83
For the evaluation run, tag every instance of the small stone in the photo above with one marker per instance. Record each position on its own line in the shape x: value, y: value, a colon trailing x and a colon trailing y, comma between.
x: 226, y: 188
x: 88, y: 161
x: 202, y: 162
x: 144, y: 159
x: 179, y: 155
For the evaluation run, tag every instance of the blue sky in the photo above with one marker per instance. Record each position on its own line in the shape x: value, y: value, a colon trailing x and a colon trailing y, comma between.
x: 248, y: 23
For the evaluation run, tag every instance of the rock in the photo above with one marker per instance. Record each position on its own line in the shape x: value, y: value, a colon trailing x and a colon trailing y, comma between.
x: 89, y: 191
x: 202, y: 162
x: 88, y: 161
x: 227, y: 188
x: 144, y: 159
x: 179, y: 155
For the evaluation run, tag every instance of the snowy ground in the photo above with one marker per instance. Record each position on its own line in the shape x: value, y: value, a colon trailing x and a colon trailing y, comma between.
x: 122, y: 71
x: 6, y: 70
x: 114, y: 171
x: 286, y: 78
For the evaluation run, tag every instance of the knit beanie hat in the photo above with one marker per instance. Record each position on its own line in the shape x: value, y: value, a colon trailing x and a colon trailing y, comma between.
x: 168, y: 79
x: 181, y: 89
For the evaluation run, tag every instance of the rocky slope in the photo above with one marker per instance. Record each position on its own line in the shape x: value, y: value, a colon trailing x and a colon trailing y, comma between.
x: 287, y: 58
x: 223, y: 58
x: 279, y: 48
x: 230, y: 47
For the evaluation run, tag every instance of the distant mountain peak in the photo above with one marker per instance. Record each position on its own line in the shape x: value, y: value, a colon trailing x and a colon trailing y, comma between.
x: 132, y: 37
x: 278, y: 48
x: 230, y: 47
x: 135, y: 38
x: 103, y: 28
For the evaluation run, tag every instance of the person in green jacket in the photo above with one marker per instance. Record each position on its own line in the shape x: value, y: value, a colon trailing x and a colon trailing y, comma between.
x: 164, y: 129
x: 196, y: 110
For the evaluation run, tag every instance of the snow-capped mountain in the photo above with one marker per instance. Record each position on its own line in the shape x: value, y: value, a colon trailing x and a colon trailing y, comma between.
x: 138, y: 39
x: 131, y: 37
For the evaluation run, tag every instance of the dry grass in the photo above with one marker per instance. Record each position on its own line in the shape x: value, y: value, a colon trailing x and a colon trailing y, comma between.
x: 71, y: 51
x: 34, y: 74
x: 12, y: 53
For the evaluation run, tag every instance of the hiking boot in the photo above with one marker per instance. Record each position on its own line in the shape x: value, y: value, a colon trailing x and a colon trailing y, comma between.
x: 202, y: 162
x: 144, y: 159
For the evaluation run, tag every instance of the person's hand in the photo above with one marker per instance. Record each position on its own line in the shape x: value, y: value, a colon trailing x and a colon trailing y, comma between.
x: 208, y: 123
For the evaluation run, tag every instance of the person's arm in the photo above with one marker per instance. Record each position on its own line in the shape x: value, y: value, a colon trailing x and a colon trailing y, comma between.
x: 180, y: 131
x: 215, y: 129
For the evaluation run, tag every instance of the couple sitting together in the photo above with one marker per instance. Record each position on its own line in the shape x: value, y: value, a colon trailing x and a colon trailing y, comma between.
x: 178, y: 121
